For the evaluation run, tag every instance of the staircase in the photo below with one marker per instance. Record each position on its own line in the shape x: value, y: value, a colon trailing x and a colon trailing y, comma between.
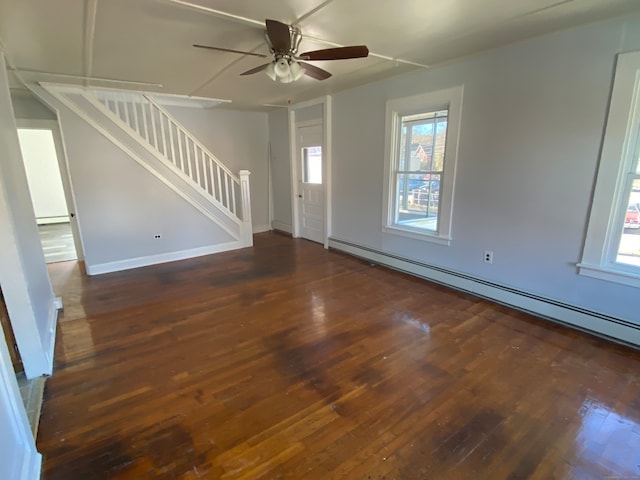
x: 157, y: 129
x: 172, y: 153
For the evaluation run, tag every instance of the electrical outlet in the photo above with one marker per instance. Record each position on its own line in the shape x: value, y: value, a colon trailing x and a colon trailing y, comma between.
x: 157, y: 236
x: 488, y: 256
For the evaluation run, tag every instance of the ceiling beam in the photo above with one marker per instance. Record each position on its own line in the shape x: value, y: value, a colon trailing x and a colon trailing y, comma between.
x: 19, y: 70
x: 542, y: 9
x: 314, y: 10
x: 219, y: 13
x: 90, y: 12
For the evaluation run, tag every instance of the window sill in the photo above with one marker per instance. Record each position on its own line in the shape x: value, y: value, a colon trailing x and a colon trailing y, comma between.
x: 610, y: 274
x: 418, y: 235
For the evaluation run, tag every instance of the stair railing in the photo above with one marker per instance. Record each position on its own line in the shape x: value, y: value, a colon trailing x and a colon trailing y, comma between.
x: 152, y: 123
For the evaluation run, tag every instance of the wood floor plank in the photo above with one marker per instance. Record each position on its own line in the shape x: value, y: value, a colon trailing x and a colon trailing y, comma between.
x: 287, y: 361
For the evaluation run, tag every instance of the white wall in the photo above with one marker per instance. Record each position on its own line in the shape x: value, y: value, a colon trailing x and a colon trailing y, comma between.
x: 280, y: 169
x: 23, y: 272
x: 308, y: 114
x: 532, y: 123
x: 43, y: 173
x: 26, y: 106
x: 240, y: 139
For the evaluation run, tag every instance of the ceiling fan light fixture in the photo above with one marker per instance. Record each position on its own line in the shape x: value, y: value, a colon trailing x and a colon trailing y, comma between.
x: 283, y: 41
x: 286, y: 79
x: 282, y: 69
x: 271, y: 71
x: 296, y: 71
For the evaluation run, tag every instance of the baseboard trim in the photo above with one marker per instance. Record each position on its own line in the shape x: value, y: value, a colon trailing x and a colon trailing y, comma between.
x: 261, y: 228
x: 613, y: 328
x: 52, y: 220
x: 281, y: 226
x: 138, y: 262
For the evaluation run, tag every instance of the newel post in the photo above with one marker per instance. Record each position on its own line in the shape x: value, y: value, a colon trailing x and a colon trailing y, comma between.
x: 247, y: 228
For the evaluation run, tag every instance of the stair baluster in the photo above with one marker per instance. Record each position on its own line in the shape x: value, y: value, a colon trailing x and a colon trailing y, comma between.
x: 153, y: 124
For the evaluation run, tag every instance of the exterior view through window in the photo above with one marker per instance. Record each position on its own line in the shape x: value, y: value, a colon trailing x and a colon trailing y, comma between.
x: 420, y: 165
x: 312, y: 165
x: 629, y: 246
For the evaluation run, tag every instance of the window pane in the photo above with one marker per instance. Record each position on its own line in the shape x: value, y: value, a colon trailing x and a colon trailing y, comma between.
x: 629, y: 249
x: 422, y: 141
x: 312, y: 165
x: 417, y: 200
x: 419, y: 170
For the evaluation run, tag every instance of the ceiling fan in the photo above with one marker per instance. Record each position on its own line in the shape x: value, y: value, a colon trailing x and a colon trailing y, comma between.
x: 287, y: 65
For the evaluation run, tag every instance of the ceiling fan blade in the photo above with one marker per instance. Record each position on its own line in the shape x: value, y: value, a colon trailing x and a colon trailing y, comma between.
x: 314, y: 72
x: 220, y: 49
x: 256, y: 69
x: 279, y: 35
x: 340, y: 53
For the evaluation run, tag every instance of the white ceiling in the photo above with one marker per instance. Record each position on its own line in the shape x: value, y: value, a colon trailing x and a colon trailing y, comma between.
x: 149, y: 41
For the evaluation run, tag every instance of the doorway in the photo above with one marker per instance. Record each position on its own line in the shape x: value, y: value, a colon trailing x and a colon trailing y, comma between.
x: 7, y: 329
x: 311, y: 190
x: 41, y: 152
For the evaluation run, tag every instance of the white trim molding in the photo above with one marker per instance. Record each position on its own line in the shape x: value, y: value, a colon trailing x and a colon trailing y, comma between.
x: 327, y: 164
x: 611, y: 196
x: 326, y: 122
x: 281, y: 226
x: 63, y: 163
x: 261, y: 228
x: 616, y: 329
x: 138, y: 262
x: 52, y: 321
x: 245, y: 197
x: 451, y: 100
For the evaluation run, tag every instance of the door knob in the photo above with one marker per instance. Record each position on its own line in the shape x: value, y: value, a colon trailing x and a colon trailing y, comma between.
x: 299, y: 196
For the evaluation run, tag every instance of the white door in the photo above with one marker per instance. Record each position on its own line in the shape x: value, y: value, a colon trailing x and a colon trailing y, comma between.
x: 310, y: 182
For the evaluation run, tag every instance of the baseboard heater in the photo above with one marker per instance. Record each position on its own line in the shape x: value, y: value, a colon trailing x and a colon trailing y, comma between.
x: 612, y: 328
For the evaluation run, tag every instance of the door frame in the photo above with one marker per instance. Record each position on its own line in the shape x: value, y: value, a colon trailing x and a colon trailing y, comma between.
x: 318, y: 123
x: 325, y: 121
x: 63, y: 166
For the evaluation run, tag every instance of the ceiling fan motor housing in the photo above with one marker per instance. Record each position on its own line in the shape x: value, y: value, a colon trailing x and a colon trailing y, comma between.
x: 295, y: 36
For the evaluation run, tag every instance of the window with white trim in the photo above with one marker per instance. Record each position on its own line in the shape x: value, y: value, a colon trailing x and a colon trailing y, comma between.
x: 612, y: 246
x: 421, y: 153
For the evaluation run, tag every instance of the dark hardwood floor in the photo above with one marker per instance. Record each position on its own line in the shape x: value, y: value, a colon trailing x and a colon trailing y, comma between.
x: 289, y: 361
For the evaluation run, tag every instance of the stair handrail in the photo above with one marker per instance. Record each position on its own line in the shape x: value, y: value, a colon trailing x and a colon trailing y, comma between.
x: 186, y: 133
